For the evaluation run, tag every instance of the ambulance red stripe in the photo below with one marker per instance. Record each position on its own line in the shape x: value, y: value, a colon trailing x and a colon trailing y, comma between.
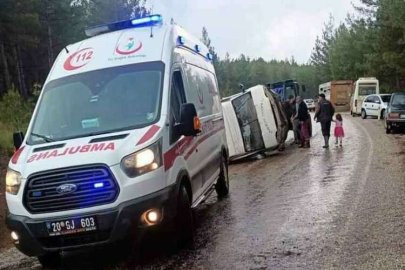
x: 184, y: 144
x: 17, y: 155
x: 149, y: 134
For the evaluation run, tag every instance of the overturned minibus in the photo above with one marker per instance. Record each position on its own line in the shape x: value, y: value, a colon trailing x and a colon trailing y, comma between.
x: 254, y: 122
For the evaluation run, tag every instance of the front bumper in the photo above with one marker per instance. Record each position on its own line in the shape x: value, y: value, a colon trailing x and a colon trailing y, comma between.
x: 114, y: 225
x: 396, y: 122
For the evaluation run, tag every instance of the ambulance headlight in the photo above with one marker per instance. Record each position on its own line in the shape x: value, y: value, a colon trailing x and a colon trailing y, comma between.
x: 13, y: 182
x: 143, y: 161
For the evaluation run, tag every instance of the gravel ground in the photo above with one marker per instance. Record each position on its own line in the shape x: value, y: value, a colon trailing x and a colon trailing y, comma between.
x: 4, y: 233
x: 341, y: 208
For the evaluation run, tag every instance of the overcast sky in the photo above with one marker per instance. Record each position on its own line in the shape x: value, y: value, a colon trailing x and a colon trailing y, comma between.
x: 272, y: 29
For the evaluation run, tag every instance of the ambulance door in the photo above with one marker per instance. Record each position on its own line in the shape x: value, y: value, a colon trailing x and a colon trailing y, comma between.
x: 184, y: 145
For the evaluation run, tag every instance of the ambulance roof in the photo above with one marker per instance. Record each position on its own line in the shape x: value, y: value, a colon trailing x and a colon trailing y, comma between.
x: 126, y: 46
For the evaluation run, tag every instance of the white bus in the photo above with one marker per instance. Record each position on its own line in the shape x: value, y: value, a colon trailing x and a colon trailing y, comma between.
x: 362, y: 87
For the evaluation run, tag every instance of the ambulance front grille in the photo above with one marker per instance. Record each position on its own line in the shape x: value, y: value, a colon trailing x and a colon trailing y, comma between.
x: 70, y: 188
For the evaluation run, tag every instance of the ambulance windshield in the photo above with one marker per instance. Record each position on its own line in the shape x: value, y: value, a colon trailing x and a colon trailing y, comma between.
x: 99, y: 102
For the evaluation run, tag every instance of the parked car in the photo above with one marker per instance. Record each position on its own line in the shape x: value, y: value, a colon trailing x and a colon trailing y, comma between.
x: 375, y: 105
x: 395, y: 116
x: 112, y: 147
x: 310, y: 104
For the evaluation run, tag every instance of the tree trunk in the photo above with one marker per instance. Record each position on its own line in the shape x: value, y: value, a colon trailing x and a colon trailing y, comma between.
x: 397, y: 80
x: 20, y: 72
x: 50, y: 47
x: 6, y: 71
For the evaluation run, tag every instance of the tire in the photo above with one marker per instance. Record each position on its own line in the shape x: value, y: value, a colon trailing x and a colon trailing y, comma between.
x: 184, y: 220
x: 382, y: 117
x: 363, y: 114
x: 388, y: 128
x: 222, y: 185
x: 354, y: 115
x: 50, y: 260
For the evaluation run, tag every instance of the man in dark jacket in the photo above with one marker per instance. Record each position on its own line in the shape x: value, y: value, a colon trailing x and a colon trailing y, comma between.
x: 305, y: 121
x: 324, y: 114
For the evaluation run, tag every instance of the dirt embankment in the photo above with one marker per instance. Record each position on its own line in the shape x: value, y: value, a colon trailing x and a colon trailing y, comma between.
x: 4, y: 233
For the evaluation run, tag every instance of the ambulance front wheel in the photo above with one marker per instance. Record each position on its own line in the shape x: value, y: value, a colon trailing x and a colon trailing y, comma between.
x: 222, y: 186
x: 184, y: 220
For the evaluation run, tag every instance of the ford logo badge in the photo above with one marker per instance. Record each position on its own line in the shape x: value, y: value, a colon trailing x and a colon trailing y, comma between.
x: 66, y: 188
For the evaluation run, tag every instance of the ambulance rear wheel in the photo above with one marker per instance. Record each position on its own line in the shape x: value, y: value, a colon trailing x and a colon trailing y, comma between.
x: 50, y: 260
x: 222, y: 186
x: 184, y: 221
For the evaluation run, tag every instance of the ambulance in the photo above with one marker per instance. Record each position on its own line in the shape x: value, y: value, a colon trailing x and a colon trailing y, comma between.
x: 128, y: 134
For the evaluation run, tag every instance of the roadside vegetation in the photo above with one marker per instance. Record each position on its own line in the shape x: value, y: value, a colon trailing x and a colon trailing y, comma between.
x: 371, y: 43
x: 15, y: 113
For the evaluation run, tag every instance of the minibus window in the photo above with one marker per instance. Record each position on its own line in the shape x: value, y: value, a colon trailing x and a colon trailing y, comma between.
x: 367, y: 89
x: 99, y: 102
x: 177, y: 97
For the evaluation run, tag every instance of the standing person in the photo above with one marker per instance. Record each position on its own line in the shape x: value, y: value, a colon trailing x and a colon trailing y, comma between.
x: 289, y: 110
x: 296, y: 123
x: 339, y: 131
x: 324, y: 114
x: 304, y: 120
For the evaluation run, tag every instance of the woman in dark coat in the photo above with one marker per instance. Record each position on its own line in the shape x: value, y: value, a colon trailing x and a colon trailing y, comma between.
x: 305, y: 119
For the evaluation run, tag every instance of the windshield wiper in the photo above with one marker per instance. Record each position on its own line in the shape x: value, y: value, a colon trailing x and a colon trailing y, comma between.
x: 42, y: 137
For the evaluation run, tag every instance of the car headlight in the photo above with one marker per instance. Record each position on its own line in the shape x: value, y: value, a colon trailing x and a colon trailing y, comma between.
x: 13, y: 182
x: 143, y: 161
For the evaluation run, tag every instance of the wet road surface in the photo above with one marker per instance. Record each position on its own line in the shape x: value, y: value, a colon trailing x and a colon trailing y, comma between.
x: 342, y: 208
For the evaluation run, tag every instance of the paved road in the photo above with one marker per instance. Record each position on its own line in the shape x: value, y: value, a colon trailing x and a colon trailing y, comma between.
x: 342, y: 208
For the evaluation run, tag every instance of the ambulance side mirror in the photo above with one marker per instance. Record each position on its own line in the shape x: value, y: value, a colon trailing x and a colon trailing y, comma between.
x: 18, y: 139
x: 190, y: 124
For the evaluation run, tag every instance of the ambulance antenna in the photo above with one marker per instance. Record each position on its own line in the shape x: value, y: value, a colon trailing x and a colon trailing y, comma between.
x: 66, y: 49
x: 151, y: 27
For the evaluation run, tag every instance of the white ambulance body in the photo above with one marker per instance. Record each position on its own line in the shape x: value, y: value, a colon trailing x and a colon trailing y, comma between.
x: 128, y: 130
x: 251, y: 122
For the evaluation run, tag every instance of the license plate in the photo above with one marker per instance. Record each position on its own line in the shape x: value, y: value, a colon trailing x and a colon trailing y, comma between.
x: 71, y: 226
x: 403, y: 116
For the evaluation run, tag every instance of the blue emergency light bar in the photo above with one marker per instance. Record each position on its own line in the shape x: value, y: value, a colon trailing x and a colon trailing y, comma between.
x: 133, y: 23
x: 182, y: 42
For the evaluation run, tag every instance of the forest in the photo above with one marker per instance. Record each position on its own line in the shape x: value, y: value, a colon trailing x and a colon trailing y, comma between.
x: 369, y: 43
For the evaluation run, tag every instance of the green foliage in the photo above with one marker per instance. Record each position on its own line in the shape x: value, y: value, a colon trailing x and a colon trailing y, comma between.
x: 33, y: 32
x: 15, y: 114
x: 243, y: 70
x: 371, y: 45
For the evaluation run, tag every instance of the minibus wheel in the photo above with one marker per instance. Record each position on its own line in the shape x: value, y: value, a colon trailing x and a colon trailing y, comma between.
x: 50, y: 260
x: 184, y: 221
x: 222, y: 185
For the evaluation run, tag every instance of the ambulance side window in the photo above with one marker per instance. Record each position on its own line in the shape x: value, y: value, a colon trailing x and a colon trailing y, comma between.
x: 177, y: 97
